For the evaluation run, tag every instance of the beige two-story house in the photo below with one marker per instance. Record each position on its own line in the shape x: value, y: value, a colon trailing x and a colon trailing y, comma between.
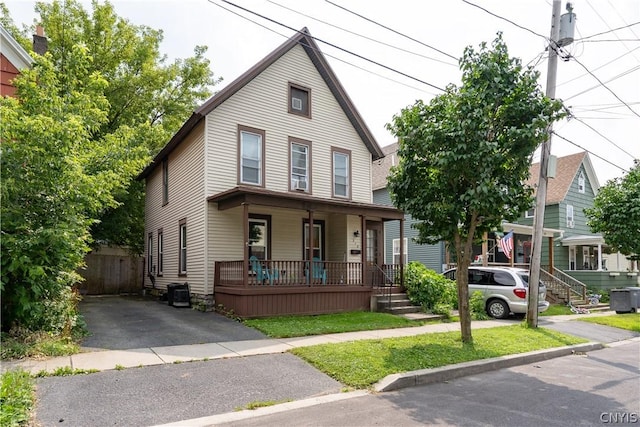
x: 262, y: 201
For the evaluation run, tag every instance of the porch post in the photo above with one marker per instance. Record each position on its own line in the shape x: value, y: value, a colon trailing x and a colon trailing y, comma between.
x: 599, y: 256
x: 485, y: 249
x: 402, y: 250
x: 245, y: 232
x: 513, y: 250
x: 363, y: 241
x: 311, y: 243
x: 551, y: 255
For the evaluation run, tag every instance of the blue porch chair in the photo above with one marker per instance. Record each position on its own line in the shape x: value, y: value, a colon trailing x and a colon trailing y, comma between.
x: 318, y: 272
x: 262, y: 274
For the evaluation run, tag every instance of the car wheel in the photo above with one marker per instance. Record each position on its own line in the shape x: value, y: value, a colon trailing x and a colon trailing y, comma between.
x: 498, y: 309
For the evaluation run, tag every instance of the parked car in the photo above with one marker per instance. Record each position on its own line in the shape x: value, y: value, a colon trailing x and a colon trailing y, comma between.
x: 504, y: 289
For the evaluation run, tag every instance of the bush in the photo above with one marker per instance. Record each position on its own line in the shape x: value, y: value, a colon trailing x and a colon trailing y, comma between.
x: 427, y: 288
x: 477, y: 306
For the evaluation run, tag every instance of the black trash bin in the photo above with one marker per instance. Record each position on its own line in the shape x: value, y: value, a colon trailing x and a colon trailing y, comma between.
x: 178, y: 295
x: 625, y: 300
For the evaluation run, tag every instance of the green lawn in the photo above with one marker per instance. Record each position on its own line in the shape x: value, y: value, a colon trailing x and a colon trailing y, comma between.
x: 629, y: 321
x: 362, y: 363
x: 298, y: 326
x: 17, y: 396
x: 556, y: 310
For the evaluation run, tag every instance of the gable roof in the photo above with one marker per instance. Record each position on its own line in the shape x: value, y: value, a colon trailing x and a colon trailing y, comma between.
x: 381, y: 167
x: 12, y: 50
x: 304, y: 39
x: 566, y: 170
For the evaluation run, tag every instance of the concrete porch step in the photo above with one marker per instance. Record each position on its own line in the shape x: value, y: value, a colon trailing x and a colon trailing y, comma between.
x: 402, y: 309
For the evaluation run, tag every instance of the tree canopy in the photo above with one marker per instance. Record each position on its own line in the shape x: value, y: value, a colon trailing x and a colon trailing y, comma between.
x: 88, y: 117
x: 616, y: 213
x: 465, y: 155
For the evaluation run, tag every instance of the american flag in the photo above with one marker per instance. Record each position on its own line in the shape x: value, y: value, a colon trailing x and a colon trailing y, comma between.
x: 506, y: 244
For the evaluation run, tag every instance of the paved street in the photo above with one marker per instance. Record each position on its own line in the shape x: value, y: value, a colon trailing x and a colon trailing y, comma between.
x: 585, y: 389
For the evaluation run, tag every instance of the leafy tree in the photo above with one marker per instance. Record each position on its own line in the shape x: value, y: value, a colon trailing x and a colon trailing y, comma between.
x: 145, y: 92
x: 464, y: 156
x: 56, y: 178
x: 616, y: 213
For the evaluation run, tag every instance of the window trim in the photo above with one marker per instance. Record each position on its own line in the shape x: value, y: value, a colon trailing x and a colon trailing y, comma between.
x: 160, y: 252
x: 530, y: 215
x: 262, y: 151
x: 581, y: 183
x: 571, y: 220
x: 341, y: 151
x: 405, y: 242
x: 150, y: 253
x: 165, y: 181
x: 182, y: 247
x: 298, y: 141
x: 290, y: 109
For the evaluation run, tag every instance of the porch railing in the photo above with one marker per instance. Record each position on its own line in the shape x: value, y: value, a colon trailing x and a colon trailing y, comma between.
x: 563, y: 284
x: 288, y: 273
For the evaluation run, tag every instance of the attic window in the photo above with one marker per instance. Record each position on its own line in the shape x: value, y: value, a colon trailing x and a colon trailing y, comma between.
x: 581, y: 183
x: 299, y: 100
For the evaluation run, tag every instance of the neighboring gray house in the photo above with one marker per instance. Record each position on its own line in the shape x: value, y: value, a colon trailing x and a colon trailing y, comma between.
x: 433, y: 256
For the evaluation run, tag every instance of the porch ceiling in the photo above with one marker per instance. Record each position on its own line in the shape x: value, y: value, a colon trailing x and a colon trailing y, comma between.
x: 527, y: 230
x: 259, y: 196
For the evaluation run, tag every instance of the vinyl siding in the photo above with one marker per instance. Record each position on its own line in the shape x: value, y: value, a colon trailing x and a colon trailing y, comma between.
x: 186, y: 200
x: 262, y: 104
x: 432, y: 256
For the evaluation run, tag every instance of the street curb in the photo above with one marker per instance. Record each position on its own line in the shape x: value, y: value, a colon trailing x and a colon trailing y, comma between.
x: 449, y: 372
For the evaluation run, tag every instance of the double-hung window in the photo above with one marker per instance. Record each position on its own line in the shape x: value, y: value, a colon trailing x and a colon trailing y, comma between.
x: 581, y: 184
x: 300, y: 165
x: 160, y: 251
x: 182, y: 247
x: 396, y: 251
x: 570, y: 222
x: 341, y: 173
x: 150, y: 253
x: 251, y: 142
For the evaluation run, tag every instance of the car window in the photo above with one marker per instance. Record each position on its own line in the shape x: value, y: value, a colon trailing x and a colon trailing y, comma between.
x: 503, y: 278
x: 525, y: 279
x: 479, y: 277
x: 451, y: 275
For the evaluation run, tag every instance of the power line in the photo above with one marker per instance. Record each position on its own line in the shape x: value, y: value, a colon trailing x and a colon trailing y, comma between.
x: 590, y: 152
x: 606, y: 32
x: 599, y: 67
x: 596, y: 131
x: 605, y: 86
x: 391, y: 29
x: 335, y: 46
x: 505, y: 19
x: 325, y: 54
x: 363, y: 36
x: 618, y: 40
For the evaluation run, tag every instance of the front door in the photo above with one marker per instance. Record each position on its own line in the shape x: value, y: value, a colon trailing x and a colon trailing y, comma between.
x: 375, y: 255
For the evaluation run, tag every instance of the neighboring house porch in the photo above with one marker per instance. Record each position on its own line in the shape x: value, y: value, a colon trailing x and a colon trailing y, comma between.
x: 273, y: 274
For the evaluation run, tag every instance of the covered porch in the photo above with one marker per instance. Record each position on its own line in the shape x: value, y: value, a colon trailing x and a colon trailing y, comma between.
x: 300, y: 254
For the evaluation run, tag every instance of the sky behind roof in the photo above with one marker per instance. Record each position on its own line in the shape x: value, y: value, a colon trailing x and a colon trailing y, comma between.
x: 607, y: 112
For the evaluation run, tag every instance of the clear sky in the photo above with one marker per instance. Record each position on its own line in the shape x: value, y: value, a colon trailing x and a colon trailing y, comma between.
x: 237, y: 39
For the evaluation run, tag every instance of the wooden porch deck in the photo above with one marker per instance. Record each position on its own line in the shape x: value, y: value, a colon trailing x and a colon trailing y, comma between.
x: 298, y: 287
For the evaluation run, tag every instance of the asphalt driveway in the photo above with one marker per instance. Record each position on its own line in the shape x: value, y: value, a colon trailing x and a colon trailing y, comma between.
x: 127, y: 322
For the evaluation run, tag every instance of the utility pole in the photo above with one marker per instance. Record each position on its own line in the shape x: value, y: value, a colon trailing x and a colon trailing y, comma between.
x: 541, y: 192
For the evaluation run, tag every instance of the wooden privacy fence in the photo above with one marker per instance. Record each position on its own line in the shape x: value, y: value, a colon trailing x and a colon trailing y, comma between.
x: 112, y: 271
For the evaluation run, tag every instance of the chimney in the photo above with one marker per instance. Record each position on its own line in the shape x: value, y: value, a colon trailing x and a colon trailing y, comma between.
x: 40, y: 43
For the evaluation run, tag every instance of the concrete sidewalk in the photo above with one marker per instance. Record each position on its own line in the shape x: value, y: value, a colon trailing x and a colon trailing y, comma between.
x: 118, y: 359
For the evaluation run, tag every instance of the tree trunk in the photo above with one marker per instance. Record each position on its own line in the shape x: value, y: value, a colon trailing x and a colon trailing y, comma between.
x: 463, y: 251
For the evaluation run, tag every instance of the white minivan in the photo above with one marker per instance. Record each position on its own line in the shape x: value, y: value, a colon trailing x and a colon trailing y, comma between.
x: 504, y: 289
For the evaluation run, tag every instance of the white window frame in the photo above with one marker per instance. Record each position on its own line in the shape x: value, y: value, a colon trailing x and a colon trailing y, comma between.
x: 297, y: 176
x: 570, y: 217
x: 244, y: 158
x: 346, y: 177
x: 396, y: 250
x: 150, y: 253
x: 581, y: 183
x: 182, y: 248
x: 160, y: 252
x: 530, y: 213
